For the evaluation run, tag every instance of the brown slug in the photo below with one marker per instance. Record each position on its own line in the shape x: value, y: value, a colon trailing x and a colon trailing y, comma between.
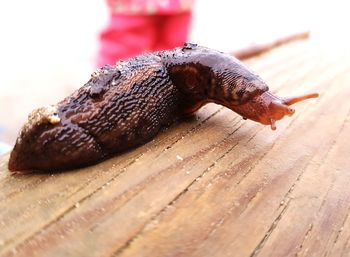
x: 126, y: 105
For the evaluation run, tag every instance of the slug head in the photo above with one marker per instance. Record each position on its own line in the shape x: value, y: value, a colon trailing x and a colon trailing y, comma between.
x: 268, y: 108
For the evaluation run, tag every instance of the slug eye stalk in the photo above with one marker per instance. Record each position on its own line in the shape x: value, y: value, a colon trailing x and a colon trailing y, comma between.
x: 282, y: 105
x: 268, y: 108
x: 292, y: 100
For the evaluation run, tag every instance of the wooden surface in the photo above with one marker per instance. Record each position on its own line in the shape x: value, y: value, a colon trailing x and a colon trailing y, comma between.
x: 212, y: 186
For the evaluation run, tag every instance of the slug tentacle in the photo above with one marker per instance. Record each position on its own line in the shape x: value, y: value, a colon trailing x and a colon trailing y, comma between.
x: 268, y: 108
x: 127, y: 104
x: 293, y: 100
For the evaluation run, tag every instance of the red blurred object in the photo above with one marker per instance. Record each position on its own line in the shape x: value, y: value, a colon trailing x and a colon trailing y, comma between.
x: 129, y: 35
x: 137, y: 26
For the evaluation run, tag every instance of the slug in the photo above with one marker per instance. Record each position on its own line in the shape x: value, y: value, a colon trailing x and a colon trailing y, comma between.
x: 126, y: 105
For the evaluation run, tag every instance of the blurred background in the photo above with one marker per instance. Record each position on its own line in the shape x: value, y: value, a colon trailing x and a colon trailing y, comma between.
x: 49, y: 48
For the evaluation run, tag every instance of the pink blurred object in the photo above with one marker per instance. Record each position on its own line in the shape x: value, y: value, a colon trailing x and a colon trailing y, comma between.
x: 149, y: 6
x: 136, y: 27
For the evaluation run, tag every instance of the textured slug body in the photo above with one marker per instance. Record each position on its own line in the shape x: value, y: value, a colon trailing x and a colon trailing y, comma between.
x: 126, y: 105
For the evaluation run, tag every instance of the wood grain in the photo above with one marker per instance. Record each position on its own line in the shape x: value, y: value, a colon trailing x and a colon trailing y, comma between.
x: 215, y: 185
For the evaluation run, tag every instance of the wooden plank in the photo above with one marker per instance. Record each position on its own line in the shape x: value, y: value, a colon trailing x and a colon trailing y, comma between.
x: 50, y: 195
x: 68, y: 187
x: 313, y: 230
x: 242, y: 209
x: 238, y: 189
